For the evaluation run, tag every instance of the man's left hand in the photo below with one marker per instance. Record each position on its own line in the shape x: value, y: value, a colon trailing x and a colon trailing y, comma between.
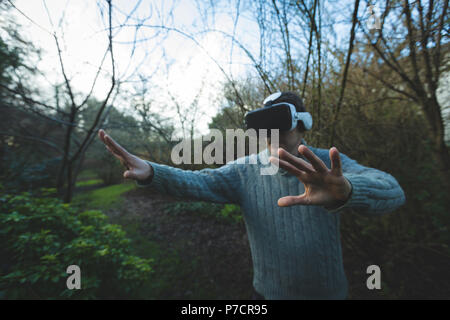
x: 323, y: 187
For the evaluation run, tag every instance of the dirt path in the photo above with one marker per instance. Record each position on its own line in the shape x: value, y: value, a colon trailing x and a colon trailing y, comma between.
x: 214, y: 255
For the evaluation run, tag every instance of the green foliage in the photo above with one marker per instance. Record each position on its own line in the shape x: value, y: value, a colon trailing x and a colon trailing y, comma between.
x: 88, y: 183
x: 103, y: 198
x: 227, y: 212
x: 41, y: 237
x: 233, y: 212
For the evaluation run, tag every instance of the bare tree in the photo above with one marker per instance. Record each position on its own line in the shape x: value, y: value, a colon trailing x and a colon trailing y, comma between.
x: 412, y: 42
x: 345, y: 73
x: 76, y: 137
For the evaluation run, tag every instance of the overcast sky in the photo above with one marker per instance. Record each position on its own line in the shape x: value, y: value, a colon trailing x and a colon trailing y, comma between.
x: 174, y: 63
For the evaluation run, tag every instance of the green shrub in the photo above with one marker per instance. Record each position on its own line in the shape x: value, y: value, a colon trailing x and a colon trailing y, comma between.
x: 232, y: 211
x: 41, y: 237
x: 227, y: 212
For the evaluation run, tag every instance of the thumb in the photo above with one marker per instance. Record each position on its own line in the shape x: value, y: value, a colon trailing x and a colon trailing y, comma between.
x: 129, y: 175
x: 294, y: 200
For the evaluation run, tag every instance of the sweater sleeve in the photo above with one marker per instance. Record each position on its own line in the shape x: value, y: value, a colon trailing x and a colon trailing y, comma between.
x: 374, y: 192
x: 222, y: 185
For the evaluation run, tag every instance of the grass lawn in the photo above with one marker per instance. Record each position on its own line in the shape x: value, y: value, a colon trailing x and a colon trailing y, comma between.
x: 88, y: 183
x: 103, y: 198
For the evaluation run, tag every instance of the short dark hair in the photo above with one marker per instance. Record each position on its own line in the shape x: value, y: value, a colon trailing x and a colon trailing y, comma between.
x: 292, y: 98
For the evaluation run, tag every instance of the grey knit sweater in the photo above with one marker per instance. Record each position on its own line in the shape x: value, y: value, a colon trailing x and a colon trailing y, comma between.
x: 296, y: 251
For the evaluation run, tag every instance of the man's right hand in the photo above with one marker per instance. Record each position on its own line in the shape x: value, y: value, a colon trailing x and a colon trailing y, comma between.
x: 137, y: 168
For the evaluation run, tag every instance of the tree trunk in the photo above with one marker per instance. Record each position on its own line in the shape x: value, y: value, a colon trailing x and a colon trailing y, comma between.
x: 66, y: 160
x: 70, y: 183
x: 441, y: 150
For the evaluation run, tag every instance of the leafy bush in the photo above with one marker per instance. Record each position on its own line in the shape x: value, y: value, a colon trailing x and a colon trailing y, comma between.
x: 41, y: 237
x: 232, y: 211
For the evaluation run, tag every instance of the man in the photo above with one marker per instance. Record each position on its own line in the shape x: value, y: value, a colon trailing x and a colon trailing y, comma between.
x: 292, y: 217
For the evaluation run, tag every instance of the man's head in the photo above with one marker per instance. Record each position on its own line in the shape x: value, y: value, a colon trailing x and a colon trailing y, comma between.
x: 289, y: 140
x: 287, y: 97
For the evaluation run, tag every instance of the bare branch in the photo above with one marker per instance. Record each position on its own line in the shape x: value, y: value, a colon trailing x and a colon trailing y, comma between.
x: 347, y: 64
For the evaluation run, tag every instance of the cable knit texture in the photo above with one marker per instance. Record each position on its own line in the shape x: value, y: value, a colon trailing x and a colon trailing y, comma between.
x: 296, y: 251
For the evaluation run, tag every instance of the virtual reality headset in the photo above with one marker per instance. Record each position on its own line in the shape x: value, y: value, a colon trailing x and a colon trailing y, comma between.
x: 282, y: 116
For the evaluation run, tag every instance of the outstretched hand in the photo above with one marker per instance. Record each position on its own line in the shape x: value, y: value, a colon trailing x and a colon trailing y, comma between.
x: 323, y: 187
x: 137, y: 168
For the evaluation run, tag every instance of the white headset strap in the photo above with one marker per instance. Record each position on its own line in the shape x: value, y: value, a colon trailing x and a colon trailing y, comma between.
x: 305, y: 117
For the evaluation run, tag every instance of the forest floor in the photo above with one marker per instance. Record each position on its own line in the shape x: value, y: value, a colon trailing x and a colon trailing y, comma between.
x: 196, y: 256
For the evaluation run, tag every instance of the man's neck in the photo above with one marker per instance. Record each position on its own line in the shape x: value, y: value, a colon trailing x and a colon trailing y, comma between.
x: 292, y: 150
